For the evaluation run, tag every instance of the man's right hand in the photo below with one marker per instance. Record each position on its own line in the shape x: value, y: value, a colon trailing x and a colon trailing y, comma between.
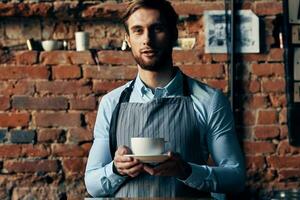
x: 127, y: 165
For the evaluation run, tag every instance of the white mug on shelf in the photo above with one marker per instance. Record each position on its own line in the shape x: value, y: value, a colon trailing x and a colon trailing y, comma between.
x: 82, y: 41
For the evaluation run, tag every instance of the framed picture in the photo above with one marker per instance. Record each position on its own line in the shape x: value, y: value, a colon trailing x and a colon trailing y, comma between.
x: 217, y: 39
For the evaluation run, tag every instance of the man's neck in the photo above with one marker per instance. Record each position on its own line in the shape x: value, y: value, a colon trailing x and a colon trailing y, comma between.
x: 157, y: 79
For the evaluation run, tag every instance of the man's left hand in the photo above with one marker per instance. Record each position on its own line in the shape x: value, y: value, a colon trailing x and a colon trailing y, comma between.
x: 174, y: 166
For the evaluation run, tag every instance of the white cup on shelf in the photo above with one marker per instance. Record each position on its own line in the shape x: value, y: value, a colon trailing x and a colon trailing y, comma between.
x: 82, y: 41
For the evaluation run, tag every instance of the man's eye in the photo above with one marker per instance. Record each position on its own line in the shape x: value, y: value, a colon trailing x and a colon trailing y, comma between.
x: 158, y: 29
x: 137, y: 31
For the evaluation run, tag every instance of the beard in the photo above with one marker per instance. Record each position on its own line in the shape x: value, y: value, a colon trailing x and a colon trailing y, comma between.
x: 157, y: 63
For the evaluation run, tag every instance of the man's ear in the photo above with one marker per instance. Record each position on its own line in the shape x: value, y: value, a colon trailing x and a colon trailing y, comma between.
x: 127, y: 40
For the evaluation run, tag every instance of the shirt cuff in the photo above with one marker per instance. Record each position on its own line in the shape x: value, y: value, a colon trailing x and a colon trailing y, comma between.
x: 200, y: 173
x: 113, y: 177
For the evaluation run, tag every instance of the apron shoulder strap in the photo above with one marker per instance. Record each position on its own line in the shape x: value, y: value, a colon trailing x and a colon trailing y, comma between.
x: 125, y: 96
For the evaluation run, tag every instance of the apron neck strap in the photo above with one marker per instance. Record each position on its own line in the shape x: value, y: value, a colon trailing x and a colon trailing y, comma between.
x: 125, y: 95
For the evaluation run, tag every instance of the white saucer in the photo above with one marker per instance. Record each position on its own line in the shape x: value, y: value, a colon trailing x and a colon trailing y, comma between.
x: 150, y: 158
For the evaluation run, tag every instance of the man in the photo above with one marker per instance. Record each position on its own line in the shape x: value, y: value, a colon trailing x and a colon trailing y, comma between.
x: 162, y: 102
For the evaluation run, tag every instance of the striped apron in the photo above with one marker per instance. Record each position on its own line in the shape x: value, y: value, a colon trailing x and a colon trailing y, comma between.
x: 171, y: 118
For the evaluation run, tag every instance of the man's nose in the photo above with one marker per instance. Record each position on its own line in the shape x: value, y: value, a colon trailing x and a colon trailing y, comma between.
x: 148, y: 38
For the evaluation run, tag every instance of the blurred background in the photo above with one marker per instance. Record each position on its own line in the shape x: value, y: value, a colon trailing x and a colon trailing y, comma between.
x: 49, y: 99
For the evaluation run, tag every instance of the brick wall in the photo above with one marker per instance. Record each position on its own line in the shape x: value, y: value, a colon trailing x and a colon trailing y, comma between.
x: 49, y: 99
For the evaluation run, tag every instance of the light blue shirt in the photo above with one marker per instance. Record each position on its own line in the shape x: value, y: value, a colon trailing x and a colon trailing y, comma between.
x: 216, y: 122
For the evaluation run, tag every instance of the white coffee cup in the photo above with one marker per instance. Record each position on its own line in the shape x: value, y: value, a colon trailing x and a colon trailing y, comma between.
x: 82, y: 41
x: 147, y: 146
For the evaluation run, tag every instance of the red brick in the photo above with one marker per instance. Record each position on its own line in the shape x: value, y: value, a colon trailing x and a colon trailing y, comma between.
x: 253, y: 57
x: 86, y: 147
x: 267, y: 8
x: 267, y: 117
x: 64, y: 87
x: 35, y: 150
x: 116, y: 57
x: 65, y: 10
x: 67, y: 150
x: 285, y: 174
x: 49, y: 135
x: 252, y: 86
x: 39, y: 103
x: 3, y: 193
x: 72, y: 165
x: 276, y: 54
x: 77, y: 135
x: 207, y: 58
x: 83, y: 57
x: 31, y: 166
x: 21, y: 87
x: 278, y: 69
x: 255, y: 162
x: 193, y: 26
x: 106, y: 86
x: 204, y: 70
x: 7, y: 9
x: 57, y: 119
x: 247, y: 117
x: 25, y: 72
x: 66, y: 72
x: 257, y: 101
x: 277, y: 100
x: 269, y: 41
x: 90, y: 118
x: 27, y: 57
x: 219, y: 84
x: 283, y: 116
x: 55, y: 57
x: 258, y: 147
x: 188, y: 56
x: 4, y: 102
x: 104, y: 10
x: 268, y: 69
x: 285, y: 148
x: 35, y: 9
x: 266, y: 132
x: 110, y: 73
x: 270, y: 175
x: 284, y: 161
x: 14, y: 119
x: 220, y: 57
x: 284, y: 185
x: 197, y: 8
x: 283, y: 131
x: 10, y: 151
x: 38, y: 191
x: 83, y: 103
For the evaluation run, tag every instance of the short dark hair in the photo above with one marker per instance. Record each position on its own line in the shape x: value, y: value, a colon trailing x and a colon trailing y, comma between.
x: 163, y: 6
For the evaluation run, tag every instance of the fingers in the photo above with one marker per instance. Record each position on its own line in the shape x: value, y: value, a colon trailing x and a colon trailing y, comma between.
x: 134, y: 171
x: 164, y: 169
x: 126, y: 165
x: 149, y: 170
x: 122, y: 150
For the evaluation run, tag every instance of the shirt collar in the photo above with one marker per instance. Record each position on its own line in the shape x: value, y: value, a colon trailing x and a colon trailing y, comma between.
x: 174, y: 87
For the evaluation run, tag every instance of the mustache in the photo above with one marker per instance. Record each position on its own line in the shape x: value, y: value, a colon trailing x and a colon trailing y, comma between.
x: 148, y: 50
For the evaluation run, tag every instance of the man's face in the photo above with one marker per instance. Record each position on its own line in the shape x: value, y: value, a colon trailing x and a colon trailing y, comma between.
x: 149, y: 39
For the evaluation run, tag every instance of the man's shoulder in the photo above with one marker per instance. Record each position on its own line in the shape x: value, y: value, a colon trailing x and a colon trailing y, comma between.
x: 113, y: 96
x: 201, y: 90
